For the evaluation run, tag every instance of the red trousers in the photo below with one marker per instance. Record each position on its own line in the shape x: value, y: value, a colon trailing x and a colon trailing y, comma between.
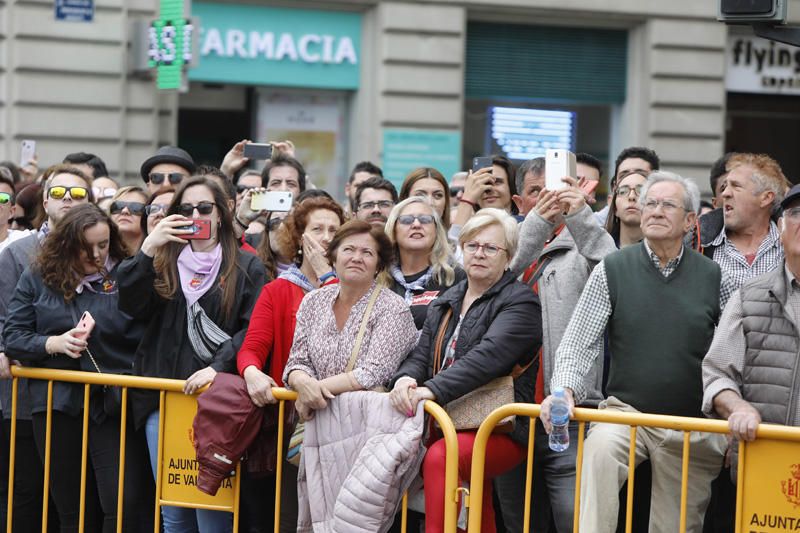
x: 502, y: 454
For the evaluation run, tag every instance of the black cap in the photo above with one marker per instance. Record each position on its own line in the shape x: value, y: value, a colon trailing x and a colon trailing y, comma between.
x: 791, y: 196
x: 168, y: 154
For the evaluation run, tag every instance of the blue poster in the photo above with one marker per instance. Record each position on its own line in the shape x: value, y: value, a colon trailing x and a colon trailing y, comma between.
x: 407, y: 149
x: 75, y: 10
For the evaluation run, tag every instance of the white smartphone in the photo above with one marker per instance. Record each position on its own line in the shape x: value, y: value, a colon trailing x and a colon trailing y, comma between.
x: 271, y: 201
x: 558, y: 163
x: 27, y: 152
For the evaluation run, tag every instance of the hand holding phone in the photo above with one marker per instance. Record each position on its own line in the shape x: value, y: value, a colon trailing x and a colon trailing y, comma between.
x: 86, y: 323
x: 201, y: 230
x: 558, y: 165
x: 481, y: 162
x: 271, y: 201
x: 27, y: 152
x: 260, y: 151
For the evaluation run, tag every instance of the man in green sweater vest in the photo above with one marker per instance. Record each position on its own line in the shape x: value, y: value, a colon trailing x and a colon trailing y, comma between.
x: 660, y: 303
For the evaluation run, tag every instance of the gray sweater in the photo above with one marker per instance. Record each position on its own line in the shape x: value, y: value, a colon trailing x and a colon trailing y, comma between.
x: 574, y: 253
x: 14, y: 259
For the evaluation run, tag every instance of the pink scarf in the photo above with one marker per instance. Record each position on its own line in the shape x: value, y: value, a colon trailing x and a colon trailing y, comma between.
x: 198, y: 271
x: 108, y: 286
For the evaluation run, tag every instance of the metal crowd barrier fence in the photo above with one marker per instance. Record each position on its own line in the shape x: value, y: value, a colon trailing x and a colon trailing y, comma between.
x: 766, y: 432
x: 166, y: 386
x: 451, y: 462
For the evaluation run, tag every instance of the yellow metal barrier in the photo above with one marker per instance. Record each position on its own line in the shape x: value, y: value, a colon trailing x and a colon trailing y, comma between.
x: 170, y: 385
x: 88, y: 379
x: 451, y: 461
x: 634, y: 420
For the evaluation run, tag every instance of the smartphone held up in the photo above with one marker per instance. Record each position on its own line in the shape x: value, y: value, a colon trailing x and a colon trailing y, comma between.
x: 558, y: 165
x: 271, y: 201
x: 201, y: 230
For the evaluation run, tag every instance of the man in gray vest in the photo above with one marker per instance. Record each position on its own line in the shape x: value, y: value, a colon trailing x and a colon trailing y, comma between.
x: 749, y: 374
x: 660, y: 303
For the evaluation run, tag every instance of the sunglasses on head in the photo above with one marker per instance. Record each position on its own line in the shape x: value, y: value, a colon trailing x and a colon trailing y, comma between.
x: 76, y: 193
x: 6, y: 198
x: 157, y: 178
x: 204, y: 208
x: 134, y: 208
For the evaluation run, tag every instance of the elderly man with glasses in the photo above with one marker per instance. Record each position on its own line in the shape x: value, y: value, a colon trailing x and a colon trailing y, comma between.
x: 659, y: 302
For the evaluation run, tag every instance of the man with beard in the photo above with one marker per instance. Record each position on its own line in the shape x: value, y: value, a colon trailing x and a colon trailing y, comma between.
x: 374, y: 200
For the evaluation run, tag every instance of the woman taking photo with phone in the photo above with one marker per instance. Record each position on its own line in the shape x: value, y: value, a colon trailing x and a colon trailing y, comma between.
x: 75, y: 272
x: 196, y: 290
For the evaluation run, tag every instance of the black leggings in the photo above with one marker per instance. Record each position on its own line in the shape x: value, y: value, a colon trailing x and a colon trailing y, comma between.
x: 102, y: 476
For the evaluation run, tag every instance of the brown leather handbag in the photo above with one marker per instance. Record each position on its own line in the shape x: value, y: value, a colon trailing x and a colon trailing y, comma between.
x: 471, y: 409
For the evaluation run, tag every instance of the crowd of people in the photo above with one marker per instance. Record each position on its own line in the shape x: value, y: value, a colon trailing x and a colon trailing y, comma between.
x: 653, y: 304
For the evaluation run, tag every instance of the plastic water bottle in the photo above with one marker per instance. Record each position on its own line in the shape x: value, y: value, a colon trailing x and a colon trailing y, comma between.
x: 559, y: 418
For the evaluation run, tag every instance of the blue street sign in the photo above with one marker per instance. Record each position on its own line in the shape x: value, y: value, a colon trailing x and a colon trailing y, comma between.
x: 75, y: 10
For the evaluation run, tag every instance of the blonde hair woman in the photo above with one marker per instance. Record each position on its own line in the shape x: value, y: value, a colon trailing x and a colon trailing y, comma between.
x: 423, y: 267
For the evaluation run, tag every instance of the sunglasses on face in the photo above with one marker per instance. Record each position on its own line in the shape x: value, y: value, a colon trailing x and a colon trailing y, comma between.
x: 76, y: 193
x: 6, y: 198
x: 454, y: 191
x: 134, y: 208
x: 204, y: 208
x: 407, y: 220
x: 157, y: 178
x: 155, y: 209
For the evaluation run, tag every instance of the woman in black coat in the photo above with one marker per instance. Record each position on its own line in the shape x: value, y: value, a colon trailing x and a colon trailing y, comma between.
x: 489, y: 326
x: 65, y: 281
x: 196, y: 295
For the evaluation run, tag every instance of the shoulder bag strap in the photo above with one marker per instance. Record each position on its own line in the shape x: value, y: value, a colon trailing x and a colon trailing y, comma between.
x: 354, y: 355
x: 539, y: 270
x: 439, y: 340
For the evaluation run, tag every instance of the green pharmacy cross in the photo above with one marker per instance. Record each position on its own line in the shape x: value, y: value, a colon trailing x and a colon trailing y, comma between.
x: 170, y: 44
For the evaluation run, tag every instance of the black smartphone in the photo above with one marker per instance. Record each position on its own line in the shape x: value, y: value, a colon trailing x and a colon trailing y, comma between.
x: 258, y: 151
x: 481, y: 162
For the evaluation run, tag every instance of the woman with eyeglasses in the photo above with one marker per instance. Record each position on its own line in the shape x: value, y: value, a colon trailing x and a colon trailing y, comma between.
x: 127, y: 210
x: 76, y: 271
x: 486, y: 327
x: 423, y: 268
x: 625, y: 213
x: 196, y: 290
x: 429, y: 183
x: 155, y: 209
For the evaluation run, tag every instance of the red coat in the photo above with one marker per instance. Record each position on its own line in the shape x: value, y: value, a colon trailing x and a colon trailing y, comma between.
x: 271, y: 329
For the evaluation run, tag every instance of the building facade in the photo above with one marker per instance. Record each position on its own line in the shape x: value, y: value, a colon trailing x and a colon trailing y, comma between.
x: 395, y: 82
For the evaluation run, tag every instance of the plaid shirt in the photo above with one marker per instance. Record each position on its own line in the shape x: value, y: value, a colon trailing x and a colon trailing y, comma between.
x: 734, y: 266
x: 583, y: 340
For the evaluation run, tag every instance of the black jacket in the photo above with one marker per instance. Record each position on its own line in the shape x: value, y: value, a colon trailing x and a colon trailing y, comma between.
x: 165, y: 350
x: 37, y: 312
x: 501, y: 329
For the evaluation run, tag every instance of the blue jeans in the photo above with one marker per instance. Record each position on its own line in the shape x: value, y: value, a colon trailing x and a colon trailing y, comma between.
x: 182, y: 519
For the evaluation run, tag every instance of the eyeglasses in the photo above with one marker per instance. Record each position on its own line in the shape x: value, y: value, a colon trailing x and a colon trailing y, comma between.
x: 490, y: 250
x: 155, y: 209
x: 454, y: 191
x: 204, y: 208
x: 668, y: 205
x: 369, y: 206
x: 241, y: 189
x: 274, y: 223
x: 76, y: 193
x: 407, y: 220
x: 6, y: 198
x: 157, y: 178
x: 103, y: 192
x: 625, y: 190
x: 134, y: 208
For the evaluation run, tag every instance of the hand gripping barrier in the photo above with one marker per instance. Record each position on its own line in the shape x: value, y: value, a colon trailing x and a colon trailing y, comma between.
x: 634, y: 420
x: 172, y: 385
